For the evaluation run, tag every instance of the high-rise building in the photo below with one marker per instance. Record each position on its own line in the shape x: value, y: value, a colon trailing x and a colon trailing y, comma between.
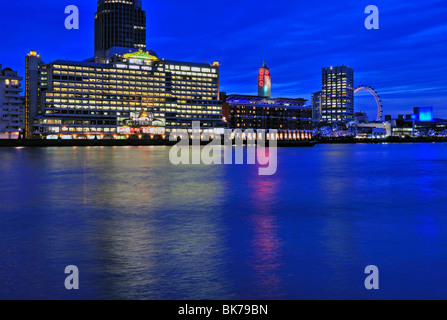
x: 11, y: 104
x: 33, y: 83
x: 316, y: 106
x: 119, y: 24
x: 337, y: 99
x: 264, y: 82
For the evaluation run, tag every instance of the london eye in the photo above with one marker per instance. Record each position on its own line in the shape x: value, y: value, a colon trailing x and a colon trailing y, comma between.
x: 376, y: 97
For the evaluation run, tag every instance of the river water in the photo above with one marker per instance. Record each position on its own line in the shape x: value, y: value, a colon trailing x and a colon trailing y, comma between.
x: 138, y: 227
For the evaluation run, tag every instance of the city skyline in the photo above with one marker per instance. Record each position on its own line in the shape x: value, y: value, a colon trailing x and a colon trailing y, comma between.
x: 402, y: 60
x: 232, y: 154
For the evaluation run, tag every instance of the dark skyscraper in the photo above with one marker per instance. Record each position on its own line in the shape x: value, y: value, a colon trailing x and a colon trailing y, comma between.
x: 119, y: 24
x: 316, y: 106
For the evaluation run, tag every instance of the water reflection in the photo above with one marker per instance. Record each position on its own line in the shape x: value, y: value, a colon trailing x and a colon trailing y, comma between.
x: 158, y: 238
x: 141, y: 228
x: 266, y: 259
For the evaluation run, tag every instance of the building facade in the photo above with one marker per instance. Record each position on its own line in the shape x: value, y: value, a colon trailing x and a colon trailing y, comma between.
x: 361, y: 117
x: 119, y: 24
x: 134, y: 93
x: 11, y: 104
x: 316, y: 106
x: 289, y: 116
x: 337, y: 99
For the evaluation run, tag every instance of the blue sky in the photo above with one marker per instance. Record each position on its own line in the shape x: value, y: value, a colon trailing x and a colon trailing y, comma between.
x: 405, y: 60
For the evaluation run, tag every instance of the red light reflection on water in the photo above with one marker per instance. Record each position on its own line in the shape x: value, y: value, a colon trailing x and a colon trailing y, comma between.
x: 266, y: 244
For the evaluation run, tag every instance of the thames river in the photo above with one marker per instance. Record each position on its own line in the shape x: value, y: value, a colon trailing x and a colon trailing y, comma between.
x: 138, y: 227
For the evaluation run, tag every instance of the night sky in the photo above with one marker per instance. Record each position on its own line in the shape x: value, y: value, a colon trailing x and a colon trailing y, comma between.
x: 405, y: 61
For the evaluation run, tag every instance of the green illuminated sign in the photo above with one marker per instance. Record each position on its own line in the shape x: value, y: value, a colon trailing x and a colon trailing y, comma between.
x: 139, y: 55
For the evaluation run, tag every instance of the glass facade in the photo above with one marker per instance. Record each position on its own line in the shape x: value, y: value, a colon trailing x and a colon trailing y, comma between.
x: 316, y: 106
x: 119, y: 24
x: 337, y: 98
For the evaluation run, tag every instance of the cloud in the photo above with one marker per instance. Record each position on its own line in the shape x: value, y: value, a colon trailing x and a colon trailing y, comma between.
x: 430, y: 35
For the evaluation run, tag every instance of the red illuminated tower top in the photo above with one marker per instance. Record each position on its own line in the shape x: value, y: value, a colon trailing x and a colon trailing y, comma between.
x: 264, y: 82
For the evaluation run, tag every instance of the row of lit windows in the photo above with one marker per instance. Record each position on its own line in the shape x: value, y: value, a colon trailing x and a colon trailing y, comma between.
x: 49, y: 100
x: 103, y: 87
x: 193, y: 79
x: 62, y: 89
x: 13, y: 82
x: 194, y: 69
x: 133, y: 80
x: 86, y: 98
x: 164, y: 107
x: 198, y: 111
x: 111, y: 79
x: 93, y: 96
x: 195, y: 74
x: 194, y: 94
x: 195, y: 111
x: 88, y: 85
x: 116, y: 101
x: 79, y: 129
x: 101, y: 108
x: 111, y: 129
x: 86, y: 93
x: 148, y: 82
x: 193, y: 98
x: 203, y: 88
x: 98, y: 70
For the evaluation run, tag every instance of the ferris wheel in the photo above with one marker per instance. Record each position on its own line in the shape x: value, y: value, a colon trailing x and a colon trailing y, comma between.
x: 376, y: 97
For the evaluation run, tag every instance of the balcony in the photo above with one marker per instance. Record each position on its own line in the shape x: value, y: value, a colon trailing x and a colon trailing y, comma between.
x: 13, y: 100
x: 14, y: 113
x: 12, y: 95
x: 13, y: 89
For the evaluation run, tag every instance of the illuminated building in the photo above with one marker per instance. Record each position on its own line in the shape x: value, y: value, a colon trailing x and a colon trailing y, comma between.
x: 290, y: 117
x: 119, y: 24
x: 124, y: 90
x: 11, y: 104
x: 337, y: 99
x: 264, y: 82
x: 423, y: 114
x: 316, y: 106
x: 134, y: 92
